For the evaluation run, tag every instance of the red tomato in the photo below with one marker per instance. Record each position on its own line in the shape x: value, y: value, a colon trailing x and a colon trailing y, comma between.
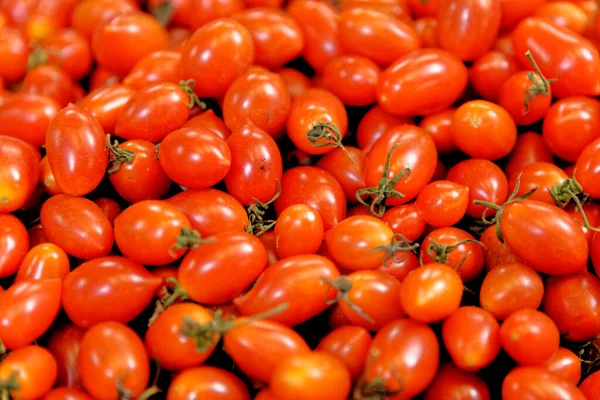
x: 564, y: 14
x: 571, y: 301
x: 51, y: 81
x: 107, y: 289
x: 350, y: 344
x: 426, y: 28
x: 427, y: 9
x: 299, y: 230
x: 157, y: 67
x: 19, y: 173
x: 44, y: 261
x: 69, y: 49
x: 102, y: 78
x: 316, y: 188
x: 14, y: 244
x: 405, y: 220
x: 496, y: 252
x: 256, y: 166
x: 565, y: 364
x: 31, y: 369
x: 586, y: 169
x: 110, y: 207
x: 295, y: 81
x: 453, y: 383
x: 595, y: 252
x: 468, y: 28
x: 47, y: 181
x: 526, y: 96
x: 490, y: 71
x: 208, y: 383
x: 76, y: 150
x: 88, y: 14
x: 523, y: 382
x: 215, y: 55
x: 472, y: 337
x: 62, y: 217
x: 374, y: 124
x: 590, y: 386
x: 347, y: 167
x: 27, y: 309
x: 14, y: 52
x: 439, y: 127
x: 402, y: 266
x: 514, y: 11
x: 443, y: 203
x: 351, y: 78
x: 135, y: 172
x: 296, y: 281
x: 112, y: 358
x: 530, y: 148
x: 64, y: 346
x: 422, y: 82
x: 66, y: 393
x: 578, y: 71
x: 208, y: 120
x: 541, y: 176
x: 259, y: 98
x: 27, y: 116
x: 105, y: 104
x: 36, y: 236
x: 592, y: 212
x: 198, y: 12
x: 153, y: 222
x: 404, y: 355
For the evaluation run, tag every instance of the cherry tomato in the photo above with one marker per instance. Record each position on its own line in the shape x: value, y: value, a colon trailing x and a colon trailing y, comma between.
x: 586, y: 169
x: 490, y: 71
x: 299, y: 230
x: 15, y: 52
x: 207, y: 383
x: 112, y: 356
x: 590, y: 385
x: 105, y: 104
x: 64, y: 346
x: 350, y: 344
x: 14, y: 244
x: 62, y: 217
x: 525, y: 106
x: 66, y: 393
x: 209, y: 120
x: 443, y: 203
x: 564, y: 14
x: 199, y: 13
x: 565, y: 364
x: 44, y: 261
x: 51, y: 81
x: 422, y: 82
x: 439, y: 127
x: 27, y: 309
x: 374, y: 124
x: 27, y: 116
x: 101, y: 78
x: 595, y: 253
x: 592, y: 211
x: 578, y: 70
x: 47, y: 181
x: 347, y: 170
x: 402, y: 266
x: 295, y: 81
x: 19, y: 173
x: 523, y: 382
x: 32, y: 369
x: 352, y: 78
x: 453, y: 383
x: 157, y: 67
x: 405, y: 220
x: 89, y: 14
x: 426, y: 28
x: 541, y: 176
x: 70, y: 49
x: 530, y: 148
x: 109, y: 207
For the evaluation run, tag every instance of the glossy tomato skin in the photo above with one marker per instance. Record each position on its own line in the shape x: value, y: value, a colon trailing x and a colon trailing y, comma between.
x: 66, y: 393
x: 157, y: 67
x: 31, y: 305
x: 76, y: 150
x: 260, y: 98
x: 64, y: 346
x: 150, y: 221
x: 514, y: 91
x: 215, y: 55
x: 565, y: 364
x: 207, y: 383
x: 490, y: 71
x: 209, y: 120
x: 571, y: 302
x: 351, y: 345
x: 14, y: 244
x: 391, y: 357
x: 349, y: 175
x: 136, y: 34
x: 89, y: 14
x: 545, y: 237
x: 211, y: 211
x: 15, y: 52
x: 33, y: 368
x: 258, y: 348
x: 256, y: 165
x: 443, y: 203
x: 296, y: 281
x: 590, y: 385
x: 374, y: 124
x: 406, y: 220
x: 112, y: 352
x: 426, y: 28
x: 299, y: 230
x: 143, y: 178
x: 314, y: 187
x: 439, y: 127
x: 541, y: 176
x: 19, y: 173
x: 496, y: 252
x: 523, y: 382
x: 587, y: 167
x: 105, y: 104
x: 578, y: 69
x: 530, y: 148
x: 352, y: 78
x: 468, y: 28
x: 107, y: 289
x: 453, y: 383
x: 576, y: 113
x: 51, y: 81
x: 295, y: 81
x: 422, y: 71
x: 69, y: 49
x: 110, y: 207
x: 26, y: 116
x: 62, y: 219
x: 44, y: 261
x: 153, y: 112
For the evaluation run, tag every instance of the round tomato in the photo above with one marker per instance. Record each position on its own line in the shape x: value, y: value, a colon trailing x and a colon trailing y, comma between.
x: 454, y: 383
x: 209, y: 120
x: 28, y: 373
x: 443, y: 203
x: 50, y: 81
x: 15, y: 52
x: 526, y: 96
x: 66, y: 393
x: 19, y: 173
x: 299, y: 230
x: 347, y: 167
x: 496, y: 252
x: 587, y: 167
x: 207, y: 383
x: 590, y: 385
x: 565, y: 364
x: 439, y: 127
x: 105, y: 104
x: 405, y: 220
x: 64, y: 346
x: 26, y: 116
x: 295, y: 81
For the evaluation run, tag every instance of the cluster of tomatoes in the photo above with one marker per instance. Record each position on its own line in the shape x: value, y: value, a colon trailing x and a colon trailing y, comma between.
x: 235, y: 199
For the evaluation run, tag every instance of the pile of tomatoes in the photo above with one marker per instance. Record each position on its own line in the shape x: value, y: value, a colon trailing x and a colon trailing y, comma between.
x: 299, y: 200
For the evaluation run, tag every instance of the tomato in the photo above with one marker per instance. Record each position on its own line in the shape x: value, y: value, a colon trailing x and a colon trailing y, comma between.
x: 526, y: 96
x: 44, y: 261
x: 485, y: 181
x: 31, y: 371
x: 404, y: 355
x: 453, y: 383
x: 541, y: 176
x: 296, y: 281
x: 112, y: 358
x: 352, y: 78
x: 68, y: 48
x: 259, y: 98
x: 295, y: 81
x: 156, y: 222
x: 592, y: 211
x: 215, y: 55
x: 472, y: 337
x: 350, y: 344
x: 208, y: 383
x: 156, y: 67
x: 595, y: 252
x: 19, y: 173
x: 422, y: 82
x: 105, y: 104
x: 439, y: 127
x: 402, y: 266
x: 51, y: 81
x: 530, y: 148
x: 15, y: 52
x: 36, y: 235
x: 256, y: 166
x: 314, y: 187
x: 64, y: 346
x: 590, y: 385
x: 586, y: 169
x: 88, y: 14
x: 299, y: 230
x: 209, y: 120
x: 61, y: 218
x: 135, y: 172
x: 564, y: 14
x: 578, y: 70
x: 374, y: 124
x: 47, y: 181
x: 103, y: 290
x: 66, y: 393
x: 405, y: 220
x: 490, y: 71
x: 443, y: 203
x: 102, y: 78
x: 259, y: 347
x: 27, y: 309
x: 536, y: 382
x: 27, y: 116
x: 347, y: 167
x: 14, y: 244
x: 426, y: 28
x: 109, y: 207
x: 167, y: 103
x: 571, y: 302
x: 565, y: 364
x: 319, y: 23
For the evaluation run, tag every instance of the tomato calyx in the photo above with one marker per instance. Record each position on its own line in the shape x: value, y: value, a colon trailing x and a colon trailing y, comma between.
x: 439, y: 251
x: 398, y: 245
x: 376, y: 388
x: 541, y: 85
x: 178, y: 294
x: 256, y: 212
x: 188, y: 239
x: 188, y: 88
x: 384, y: 189
x: 8, y: 386
x: 163, y: 12
x: 118, y: 156
x: 38, y: 56
x: 208, y: 334
x: 325, y: 134
x: 570, y: 189
x: 499, y: 209
x: 343, y: 285
x: 589, y: 354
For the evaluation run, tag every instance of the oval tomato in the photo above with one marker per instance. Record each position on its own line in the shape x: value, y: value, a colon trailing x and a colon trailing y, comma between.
x: 209, y: 120
x: 26, y: 116
x: 66, y: 393
x: 44, y: 261
x: 106, y: 103
x: 207, y: 383
x: 523, y: 382
x: 457, y: 384
x: 587, y: 167
x: 299, y: 230
x: 439, y: 127
x: 374, y: 124
x: 156, y: 67
x: 351, y: 345
x: 19, y: 173
x: 50, y: 81
x: 31, y: 369
x: 565, y: 364
x: 15, y: 52
x: 443, y: 203
x: 530, y: 148
x: 64, y: 346
x: 14, y: 244
x: 351, y: 78
x: 489, y: 73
